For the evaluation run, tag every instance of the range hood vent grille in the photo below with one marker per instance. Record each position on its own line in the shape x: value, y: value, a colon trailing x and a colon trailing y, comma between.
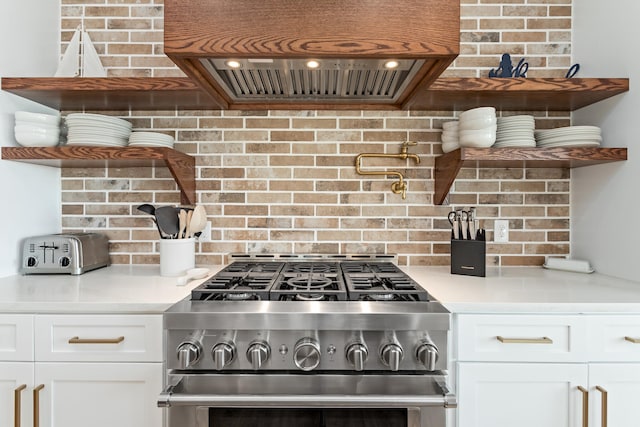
x: 348, y: 80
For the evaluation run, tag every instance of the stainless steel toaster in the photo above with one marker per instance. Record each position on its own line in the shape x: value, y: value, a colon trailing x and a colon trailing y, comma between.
x: 70, y: 253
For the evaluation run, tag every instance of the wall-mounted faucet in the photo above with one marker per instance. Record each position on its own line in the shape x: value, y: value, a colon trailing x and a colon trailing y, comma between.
x: 399, y: 186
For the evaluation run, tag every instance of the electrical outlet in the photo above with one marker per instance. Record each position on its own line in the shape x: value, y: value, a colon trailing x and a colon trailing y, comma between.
x: 501, y: 230
x: 206, y: 233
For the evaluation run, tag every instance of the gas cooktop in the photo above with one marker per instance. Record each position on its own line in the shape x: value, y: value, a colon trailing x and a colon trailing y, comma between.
x: 323, y: 280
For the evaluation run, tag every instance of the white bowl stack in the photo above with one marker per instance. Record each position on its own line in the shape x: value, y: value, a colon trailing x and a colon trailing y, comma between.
x: 37, y: 129
x: 150, y: 139
x: 478, y: 127
x: 515, y: 131
x: 570, y: 136
x: 97, y: 130
x: 450, y: 137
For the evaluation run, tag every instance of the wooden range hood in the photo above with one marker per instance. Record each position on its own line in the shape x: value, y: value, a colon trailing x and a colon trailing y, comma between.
x: 250, y: 54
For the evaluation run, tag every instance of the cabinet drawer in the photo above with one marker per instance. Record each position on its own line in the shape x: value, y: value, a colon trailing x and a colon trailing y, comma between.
x: 16, y: 337
x: 614, y: 338
x: 96, y: 338
x: 521, y: 338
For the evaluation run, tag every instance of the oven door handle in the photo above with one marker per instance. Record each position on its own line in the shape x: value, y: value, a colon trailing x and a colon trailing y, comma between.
x: 171, y: 397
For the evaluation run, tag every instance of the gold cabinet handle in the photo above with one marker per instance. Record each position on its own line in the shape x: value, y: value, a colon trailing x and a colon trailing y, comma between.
x: 605, y: 405
x: 632, y: 340
x: 585, y: 406
x: 36, y: 405
x: 78, y: 340
x: 542, y: 340
x: 17, y: 411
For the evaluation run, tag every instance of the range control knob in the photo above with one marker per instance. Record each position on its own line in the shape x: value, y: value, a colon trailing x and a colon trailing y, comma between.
x: 391, y: 355
x: 258, y: 353
x: 306, y: 354
x: 427, y: 354
x: 357, y: 354
x: 189, y: 354
x: 223, y: 354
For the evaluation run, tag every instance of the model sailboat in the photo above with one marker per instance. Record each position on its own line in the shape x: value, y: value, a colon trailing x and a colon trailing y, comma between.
x: 80, y: 59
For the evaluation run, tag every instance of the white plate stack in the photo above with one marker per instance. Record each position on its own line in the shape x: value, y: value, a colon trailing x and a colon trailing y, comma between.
x: 570, y: 136
x: 150, y: 139
x: 37, y: 129
x: 450, y: 138
x: 97, y: 130
x: 478, y: 127
x: 515, y: 131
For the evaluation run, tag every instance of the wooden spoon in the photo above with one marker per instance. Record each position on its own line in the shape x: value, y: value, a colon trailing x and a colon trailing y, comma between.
x: 199, y: 219
x: 182, y: 219
x: 188, y: 233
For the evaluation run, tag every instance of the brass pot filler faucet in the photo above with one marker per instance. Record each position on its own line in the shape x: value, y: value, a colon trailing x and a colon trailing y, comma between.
x: 398, y: 187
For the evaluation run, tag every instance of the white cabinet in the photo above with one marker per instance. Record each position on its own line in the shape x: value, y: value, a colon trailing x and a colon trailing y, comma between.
x: 547, y: 370
x: 80, y: 370
x: 614, y: 391
x: 99, y: 394
x: 517, y: 394
x: 16, y: 381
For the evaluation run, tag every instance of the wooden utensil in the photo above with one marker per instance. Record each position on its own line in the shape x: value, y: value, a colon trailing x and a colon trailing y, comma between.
x: 182, y: 220
x: 188, y: 232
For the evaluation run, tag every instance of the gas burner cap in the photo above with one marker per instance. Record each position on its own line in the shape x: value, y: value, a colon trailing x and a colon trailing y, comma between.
x: 382, y: 297
x: 239, y: 297
x: 309, y: 297
x: 306, y: 282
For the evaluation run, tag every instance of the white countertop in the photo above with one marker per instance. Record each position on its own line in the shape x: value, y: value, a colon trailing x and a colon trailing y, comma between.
x: 113, y: 289
x: 140, y: 289
x: 529, y: 290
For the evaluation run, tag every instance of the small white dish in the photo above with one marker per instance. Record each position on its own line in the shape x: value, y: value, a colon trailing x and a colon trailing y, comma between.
x: 193, y: 274
x: 566, y: 264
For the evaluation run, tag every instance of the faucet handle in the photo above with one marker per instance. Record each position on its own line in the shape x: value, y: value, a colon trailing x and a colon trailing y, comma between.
x: 407, y: 144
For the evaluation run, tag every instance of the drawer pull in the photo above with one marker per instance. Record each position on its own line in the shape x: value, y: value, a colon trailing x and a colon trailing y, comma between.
x: 633, y: 340
x: 542, y: 340
x: 17, y: 411
x: 585, y: 406
x: 36, y: 405
x: 604, y: 405
x: 78, y: 340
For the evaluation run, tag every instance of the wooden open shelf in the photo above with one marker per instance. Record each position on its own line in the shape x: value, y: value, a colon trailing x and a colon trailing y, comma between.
x: 181, y: 166
x: 141, y: 93
x: 448, y: 165
x: 112, y: 93
x: 515, y: 94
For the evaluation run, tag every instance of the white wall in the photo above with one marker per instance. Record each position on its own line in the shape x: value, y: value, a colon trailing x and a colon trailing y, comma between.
x: 30, y: 194
x: 605, y: 205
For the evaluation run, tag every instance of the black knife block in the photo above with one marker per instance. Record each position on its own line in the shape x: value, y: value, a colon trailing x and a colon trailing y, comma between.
x: 468, y: 257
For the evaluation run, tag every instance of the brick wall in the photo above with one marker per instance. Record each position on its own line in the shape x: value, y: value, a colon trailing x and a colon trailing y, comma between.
x: 284, y: 181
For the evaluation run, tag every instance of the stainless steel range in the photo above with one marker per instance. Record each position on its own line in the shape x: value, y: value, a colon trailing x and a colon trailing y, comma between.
x: 295, y: 341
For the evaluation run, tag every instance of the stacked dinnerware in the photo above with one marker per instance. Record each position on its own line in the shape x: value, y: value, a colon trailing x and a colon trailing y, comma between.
x: 570, y: 136
x: 450, y: 137
x: 478, y: 127
x: 515, y: 131
x: 37, y: 129
x: 97, y: 130
x: 150, y: 139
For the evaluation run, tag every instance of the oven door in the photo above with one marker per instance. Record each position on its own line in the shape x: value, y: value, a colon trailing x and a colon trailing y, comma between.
x: 219, y: 400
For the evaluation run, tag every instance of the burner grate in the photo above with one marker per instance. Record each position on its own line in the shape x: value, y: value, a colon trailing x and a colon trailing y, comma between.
x: 309, y: 281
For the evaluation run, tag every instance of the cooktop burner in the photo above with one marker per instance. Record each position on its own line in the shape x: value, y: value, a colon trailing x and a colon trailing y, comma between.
x: 310, y: 281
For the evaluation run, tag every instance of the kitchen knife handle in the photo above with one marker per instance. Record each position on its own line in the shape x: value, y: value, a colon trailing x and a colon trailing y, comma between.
x: 585, y: 406
x: 604, y: 405
x: 78, y: 340
x: 36, y: 405
x: 17, y: 407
